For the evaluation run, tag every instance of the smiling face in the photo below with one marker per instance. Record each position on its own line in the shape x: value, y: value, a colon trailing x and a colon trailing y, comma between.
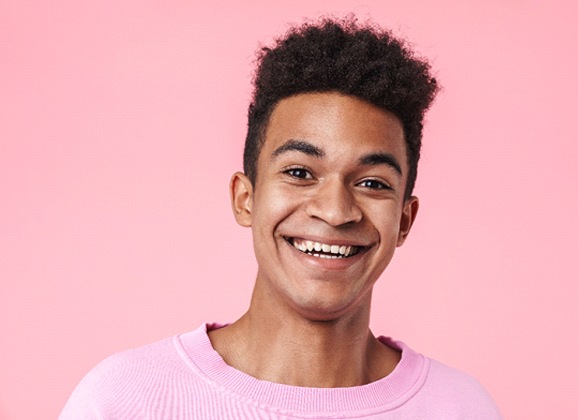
x: 327, y: 209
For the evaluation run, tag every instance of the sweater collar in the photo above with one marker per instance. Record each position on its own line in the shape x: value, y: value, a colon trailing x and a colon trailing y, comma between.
x: 387, y: 393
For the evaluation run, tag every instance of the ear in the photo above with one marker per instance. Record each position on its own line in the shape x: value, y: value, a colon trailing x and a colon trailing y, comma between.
x: 408, y: 215
x: 241, y: 192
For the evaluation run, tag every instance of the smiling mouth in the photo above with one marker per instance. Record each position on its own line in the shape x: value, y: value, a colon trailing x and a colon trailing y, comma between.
x: 321, y: 250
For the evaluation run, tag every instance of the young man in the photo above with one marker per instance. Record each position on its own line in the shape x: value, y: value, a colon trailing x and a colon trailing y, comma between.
x: 330, y: 163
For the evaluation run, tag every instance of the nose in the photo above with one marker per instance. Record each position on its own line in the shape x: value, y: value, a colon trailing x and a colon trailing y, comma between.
x: 334, y: 203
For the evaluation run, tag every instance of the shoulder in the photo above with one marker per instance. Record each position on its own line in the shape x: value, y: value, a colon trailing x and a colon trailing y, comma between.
x: 129, y: 374
x: 458, y: 393
x: 453, y: 379
x: 442, y: 391
x: 133, y: 363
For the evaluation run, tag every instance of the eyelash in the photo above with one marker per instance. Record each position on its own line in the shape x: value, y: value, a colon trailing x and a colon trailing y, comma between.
x: 381, y: 185
x: 291, y: 172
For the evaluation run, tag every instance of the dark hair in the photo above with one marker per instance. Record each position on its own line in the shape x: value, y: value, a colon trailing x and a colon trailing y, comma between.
x: 342, y: 56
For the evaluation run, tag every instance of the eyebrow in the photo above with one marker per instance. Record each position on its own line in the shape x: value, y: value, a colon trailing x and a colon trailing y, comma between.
x: 388, y: 159
x: 298, y: 146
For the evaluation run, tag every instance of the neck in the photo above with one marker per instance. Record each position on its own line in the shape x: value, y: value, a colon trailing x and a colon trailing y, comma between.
x: 274, y: 344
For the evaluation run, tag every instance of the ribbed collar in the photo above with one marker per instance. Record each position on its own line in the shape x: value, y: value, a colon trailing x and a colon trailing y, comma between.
x: 379, y: 396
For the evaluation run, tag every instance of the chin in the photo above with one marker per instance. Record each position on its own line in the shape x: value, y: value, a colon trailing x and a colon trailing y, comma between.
x: 326, y: 310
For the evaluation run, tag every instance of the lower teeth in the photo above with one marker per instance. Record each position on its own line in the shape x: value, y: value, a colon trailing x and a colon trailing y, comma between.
x: 325, y: 255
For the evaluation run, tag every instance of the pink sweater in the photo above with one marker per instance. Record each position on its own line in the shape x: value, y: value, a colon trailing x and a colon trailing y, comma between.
x: 185, y: 378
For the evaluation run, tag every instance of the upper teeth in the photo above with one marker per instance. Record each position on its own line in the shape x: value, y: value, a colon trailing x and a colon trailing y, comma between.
x: 310, y: 247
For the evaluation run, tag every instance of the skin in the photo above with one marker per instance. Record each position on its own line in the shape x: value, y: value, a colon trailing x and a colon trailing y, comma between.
x: 332, y: 169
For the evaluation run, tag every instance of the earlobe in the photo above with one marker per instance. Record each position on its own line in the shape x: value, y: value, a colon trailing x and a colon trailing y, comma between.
x: 241, y: 193
x: 408, y: 215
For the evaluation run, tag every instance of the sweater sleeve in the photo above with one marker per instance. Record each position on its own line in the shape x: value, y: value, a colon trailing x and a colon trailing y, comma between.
x: 126, y: 385
x: 79, y: 405
x: 458, y: 395
x: 93, y: 392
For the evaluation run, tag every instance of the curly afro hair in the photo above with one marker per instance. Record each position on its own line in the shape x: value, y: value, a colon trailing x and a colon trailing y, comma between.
x: 345, y: 57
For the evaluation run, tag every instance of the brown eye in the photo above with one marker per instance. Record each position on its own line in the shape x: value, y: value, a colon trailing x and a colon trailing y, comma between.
x: 374, y: 184
x: 299, y: 173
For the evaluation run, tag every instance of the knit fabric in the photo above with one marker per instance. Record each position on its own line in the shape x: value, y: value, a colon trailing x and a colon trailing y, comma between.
x: 185, y: 378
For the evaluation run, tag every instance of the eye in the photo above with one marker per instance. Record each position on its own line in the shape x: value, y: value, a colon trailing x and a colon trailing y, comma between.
x: 374, y: 184
x: 299, y: 173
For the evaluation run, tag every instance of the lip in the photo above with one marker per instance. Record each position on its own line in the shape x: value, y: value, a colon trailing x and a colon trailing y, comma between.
x: 331, y: 264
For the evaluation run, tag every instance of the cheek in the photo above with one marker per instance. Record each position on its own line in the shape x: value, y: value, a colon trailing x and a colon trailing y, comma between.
x: 273, y: 206
x: 386, y: 220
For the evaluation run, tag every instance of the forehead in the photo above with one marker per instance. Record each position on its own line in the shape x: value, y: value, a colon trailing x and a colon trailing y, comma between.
x: 339, y: 124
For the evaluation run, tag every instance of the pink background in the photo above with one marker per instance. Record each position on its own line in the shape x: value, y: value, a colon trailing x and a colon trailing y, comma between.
x: 122, y: 121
